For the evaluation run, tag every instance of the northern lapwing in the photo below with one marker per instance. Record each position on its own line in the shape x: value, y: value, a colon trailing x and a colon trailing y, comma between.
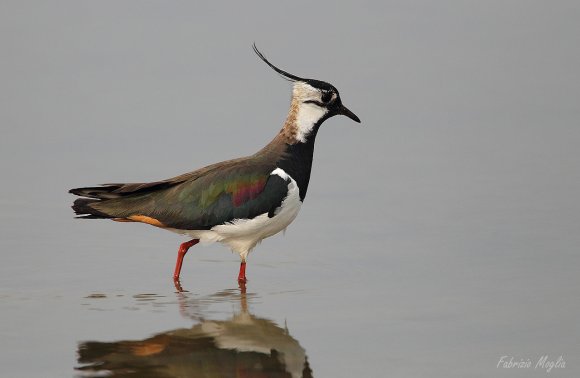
x: 237, y: 202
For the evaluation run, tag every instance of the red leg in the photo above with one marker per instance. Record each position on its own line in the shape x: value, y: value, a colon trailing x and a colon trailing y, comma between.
x: 183, y: 248
x: 242, y: 275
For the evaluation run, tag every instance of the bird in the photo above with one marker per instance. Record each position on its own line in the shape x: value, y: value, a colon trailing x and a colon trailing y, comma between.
x: 237, y: 202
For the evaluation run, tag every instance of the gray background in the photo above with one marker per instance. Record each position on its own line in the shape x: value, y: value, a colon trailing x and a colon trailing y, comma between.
x: 437, y: 236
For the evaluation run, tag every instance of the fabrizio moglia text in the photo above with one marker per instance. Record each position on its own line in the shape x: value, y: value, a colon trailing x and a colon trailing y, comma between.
x: 544, y: 362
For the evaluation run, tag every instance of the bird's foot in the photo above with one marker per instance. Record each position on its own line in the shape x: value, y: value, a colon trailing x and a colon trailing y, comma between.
x: 177, y: 284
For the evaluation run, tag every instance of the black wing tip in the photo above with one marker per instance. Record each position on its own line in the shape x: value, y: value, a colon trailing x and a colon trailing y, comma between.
x: 85, y: 191
x: 107, y: 191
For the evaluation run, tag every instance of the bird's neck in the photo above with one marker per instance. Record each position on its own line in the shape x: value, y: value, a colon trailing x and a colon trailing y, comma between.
x: 297, y: 138
x: 297, y: 162
x: 303, y: 121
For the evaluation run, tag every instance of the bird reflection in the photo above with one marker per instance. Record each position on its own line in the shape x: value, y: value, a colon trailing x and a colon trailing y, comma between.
x: 243, y: 346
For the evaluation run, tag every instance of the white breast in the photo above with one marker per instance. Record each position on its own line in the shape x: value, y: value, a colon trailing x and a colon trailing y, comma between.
x: 242, y: 235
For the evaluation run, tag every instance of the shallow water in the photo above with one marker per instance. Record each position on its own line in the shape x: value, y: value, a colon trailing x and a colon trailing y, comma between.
x: 427, y: 305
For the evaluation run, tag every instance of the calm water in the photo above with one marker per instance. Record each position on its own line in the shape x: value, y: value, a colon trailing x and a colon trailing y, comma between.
x: 447, y: 298
x: 438, y: 236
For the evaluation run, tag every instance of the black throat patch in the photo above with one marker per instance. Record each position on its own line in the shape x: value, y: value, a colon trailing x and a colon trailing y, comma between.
x: 297, y: 160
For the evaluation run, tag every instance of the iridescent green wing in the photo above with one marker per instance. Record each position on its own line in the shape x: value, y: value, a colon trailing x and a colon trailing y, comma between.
x: 217, y: 197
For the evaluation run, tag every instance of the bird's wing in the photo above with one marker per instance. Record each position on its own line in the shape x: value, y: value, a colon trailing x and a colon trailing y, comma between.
x: 217, y: 196
x: 118, y: 190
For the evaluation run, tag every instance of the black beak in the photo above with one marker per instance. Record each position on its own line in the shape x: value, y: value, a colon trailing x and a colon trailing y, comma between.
x: 344, y: 111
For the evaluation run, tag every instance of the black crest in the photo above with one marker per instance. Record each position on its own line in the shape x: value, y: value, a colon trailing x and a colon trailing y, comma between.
x: 322, y: 85
x: 284, y: 74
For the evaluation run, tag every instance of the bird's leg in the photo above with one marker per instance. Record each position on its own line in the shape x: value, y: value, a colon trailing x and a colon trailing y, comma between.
x: 242, y: 275
x: 183, y: 248
x: 177, y: 284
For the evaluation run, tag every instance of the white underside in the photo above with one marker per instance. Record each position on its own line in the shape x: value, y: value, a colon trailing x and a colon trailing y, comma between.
x: 242, y: 235
x: 246, y: 333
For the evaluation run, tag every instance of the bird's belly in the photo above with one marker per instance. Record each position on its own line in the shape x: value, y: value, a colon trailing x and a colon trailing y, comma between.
x: 241, y: 235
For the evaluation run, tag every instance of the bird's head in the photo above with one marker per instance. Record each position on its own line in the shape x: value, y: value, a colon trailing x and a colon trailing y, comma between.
x: 316, y: 100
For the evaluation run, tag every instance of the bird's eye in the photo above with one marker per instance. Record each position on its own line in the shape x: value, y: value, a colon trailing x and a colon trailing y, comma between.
x: 326, y: 97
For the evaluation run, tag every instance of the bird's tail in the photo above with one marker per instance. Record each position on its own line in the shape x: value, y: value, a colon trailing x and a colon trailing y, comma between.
x: 92, y: 207
x: 107, y: 191
x: 82, y: 208
x: 118, y: 201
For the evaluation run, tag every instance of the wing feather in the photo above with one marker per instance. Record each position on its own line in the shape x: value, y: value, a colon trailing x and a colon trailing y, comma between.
x: 217, y: 197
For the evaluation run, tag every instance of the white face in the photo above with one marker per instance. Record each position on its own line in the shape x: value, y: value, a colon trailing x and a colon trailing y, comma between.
x: 311, y: 108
